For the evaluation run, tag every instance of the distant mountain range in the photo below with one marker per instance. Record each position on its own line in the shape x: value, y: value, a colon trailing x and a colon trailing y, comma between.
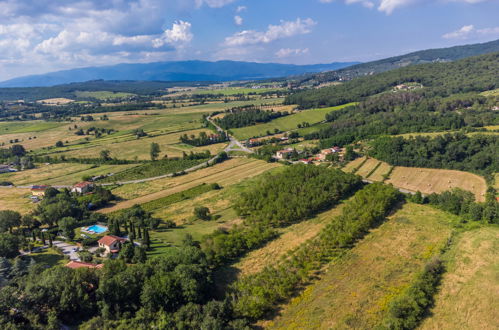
x: 419, y: 57
x: 174, y: 71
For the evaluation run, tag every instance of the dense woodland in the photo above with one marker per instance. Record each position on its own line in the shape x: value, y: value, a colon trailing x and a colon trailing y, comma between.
x: 294, y: 194
x: 247, y: 117
x: 475, y: 74
x: 203, y: 139
x: 476, y: 153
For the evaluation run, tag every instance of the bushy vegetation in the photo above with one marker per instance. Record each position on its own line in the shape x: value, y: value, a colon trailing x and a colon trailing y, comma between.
x: 204, y: 139
x: 259, y: 293
x: 477, y: 153
x: 410, y: 307
x: 247, y: 117
x: 294, y: 194
x: 157, y: 168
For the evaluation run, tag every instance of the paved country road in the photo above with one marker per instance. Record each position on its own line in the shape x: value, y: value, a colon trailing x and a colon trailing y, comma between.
x: 234, y: 145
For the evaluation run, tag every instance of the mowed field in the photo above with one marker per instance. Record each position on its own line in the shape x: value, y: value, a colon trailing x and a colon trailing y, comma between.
x: 286, y: 123
x: 429, y: 181
x: 469, y: 293
x: 16, y: 199
x: 60, y: 174
x: 225, y: 174
x: 425, y: 180
x: 139, y: 148
x: 355, y: 290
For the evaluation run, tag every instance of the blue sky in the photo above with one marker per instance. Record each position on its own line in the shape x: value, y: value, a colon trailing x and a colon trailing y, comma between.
x: 38, y: 36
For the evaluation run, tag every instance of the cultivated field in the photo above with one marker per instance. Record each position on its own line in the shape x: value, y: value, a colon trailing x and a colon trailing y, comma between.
x: 429, y: 181
x: 103, y: 95
x: 354, y: 291
x: 60, y: 174
x: 16, y: 199
x: 285, y: 123
x: 469, y: 293
x: 226, y: 173
x: 132, y: 148
x: 426, y: 180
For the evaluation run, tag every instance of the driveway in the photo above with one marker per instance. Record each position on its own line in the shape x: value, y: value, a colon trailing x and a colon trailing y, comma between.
x: 67, y: 249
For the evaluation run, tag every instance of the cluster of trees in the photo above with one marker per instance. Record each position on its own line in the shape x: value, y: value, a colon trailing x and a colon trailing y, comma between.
x: 462, y: 203
x: 241, y: 117
x: 474, y: 74
x: 204, y: 139
x: 476, y: 153
x: 294, y: 194
x: 96, y: 131
x: 256, y: 294
x: 398, y: 113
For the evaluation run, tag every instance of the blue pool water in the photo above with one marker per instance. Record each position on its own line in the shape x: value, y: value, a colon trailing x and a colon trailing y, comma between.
x: 98, y: 229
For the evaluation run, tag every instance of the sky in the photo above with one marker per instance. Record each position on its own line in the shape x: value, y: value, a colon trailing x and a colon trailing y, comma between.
x: 38, y: 36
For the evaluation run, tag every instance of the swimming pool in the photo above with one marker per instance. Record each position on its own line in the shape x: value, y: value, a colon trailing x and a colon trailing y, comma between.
x: 98, y: 229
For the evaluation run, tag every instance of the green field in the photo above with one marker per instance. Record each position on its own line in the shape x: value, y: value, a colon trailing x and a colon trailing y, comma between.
x: 103, y: 95
x: 286, y: 123
x: 26, y: 126
x: 236, y: 91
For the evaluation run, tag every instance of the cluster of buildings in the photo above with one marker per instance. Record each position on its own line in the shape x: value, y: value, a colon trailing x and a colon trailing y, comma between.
x: 320, y: 157
x: 38, y: 191
x: 110, y: 243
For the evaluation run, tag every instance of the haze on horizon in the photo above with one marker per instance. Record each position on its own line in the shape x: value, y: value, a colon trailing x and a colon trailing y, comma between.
x: 46, y: 35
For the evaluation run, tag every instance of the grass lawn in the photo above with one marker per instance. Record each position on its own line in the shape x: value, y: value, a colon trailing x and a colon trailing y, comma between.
x: 354, y: 291
x: 469, y: 294
x: 50, y: 257
x: 285, y: 123
x: 27, y: 126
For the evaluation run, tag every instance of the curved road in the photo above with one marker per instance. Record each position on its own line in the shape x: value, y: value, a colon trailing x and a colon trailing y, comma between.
x: 234, y: 145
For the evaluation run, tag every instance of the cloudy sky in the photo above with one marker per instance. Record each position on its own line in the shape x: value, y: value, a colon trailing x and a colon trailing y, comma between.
x: 38, y: 36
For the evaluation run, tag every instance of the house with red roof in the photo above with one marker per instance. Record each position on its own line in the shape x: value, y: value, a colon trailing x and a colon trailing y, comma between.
x: 38, y: 191
x: 82, y: 187
x: 111, y: 243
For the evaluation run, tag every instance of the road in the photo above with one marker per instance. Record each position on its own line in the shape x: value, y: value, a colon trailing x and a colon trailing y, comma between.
x: 234, y: 145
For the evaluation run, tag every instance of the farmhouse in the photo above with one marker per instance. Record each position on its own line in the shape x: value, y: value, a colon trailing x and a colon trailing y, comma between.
x: 79, y: 264
x: 38, y: 191
x: 307, y: 161
x: 284, y: 154
x: 82, y: 187
x: 111, y: 243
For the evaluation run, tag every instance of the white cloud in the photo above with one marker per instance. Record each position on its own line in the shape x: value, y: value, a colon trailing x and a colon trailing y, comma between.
x: 365, y: 3
x: 469, y: 31
x: 179, y: 35
x: 273, y: 32
x: 388, y: 6
x: 238, y: 20
x: 240, y: 9
x: 287, y: 52
x: 462, y: 33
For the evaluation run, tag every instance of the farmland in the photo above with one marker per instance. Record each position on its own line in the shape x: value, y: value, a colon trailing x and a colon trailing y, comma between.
x: 286, y: 123
x: 469, y: 295
x: 60, y: 174
x: 227, y: 173
x: 16, y: 199
x: 355, y: 290
x: 425, y: 180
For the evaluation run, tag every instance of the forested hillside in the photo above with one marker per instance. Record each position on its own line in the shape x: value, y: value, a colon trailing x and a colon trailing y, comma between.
x: 391, y: 63
x: 475, y: 74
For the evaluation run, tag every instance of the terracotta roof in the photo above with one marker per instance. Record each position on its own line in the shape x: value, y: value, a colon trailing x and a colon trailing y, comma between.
x: 82, y: 184
x: 108, y: 240
x: 78, y: 264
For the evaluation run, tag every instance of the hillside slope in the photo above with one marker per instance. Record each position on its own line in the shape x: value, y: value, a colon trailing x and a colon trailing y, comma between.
x: 419, y: 57
x: 173, y: 71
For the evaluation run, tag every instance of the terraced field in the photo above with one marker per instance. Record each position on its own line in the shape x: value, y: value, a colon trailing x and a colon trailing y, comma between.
x: 354, y: 291
x: 425, y: 180
x: 227, y: 173
x: 469, y: 293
